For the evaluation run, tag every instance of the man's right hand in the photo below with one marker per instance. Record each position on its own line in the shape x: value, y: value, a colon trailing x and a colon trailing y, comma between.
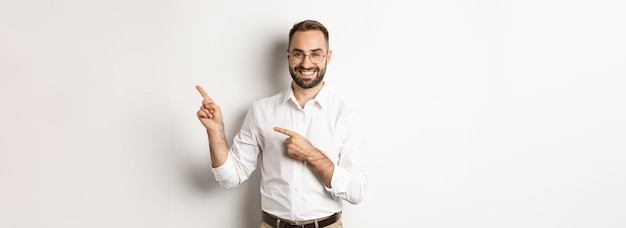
x: 210, y: 114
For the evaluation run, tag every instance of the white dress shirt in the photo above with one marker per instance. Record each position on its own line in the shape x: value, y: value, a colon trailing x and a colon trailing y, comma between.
x: 289, y: 188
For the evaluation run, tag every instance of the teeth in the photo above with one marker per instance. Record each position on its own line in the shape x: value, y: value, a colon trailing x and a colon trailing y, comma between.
x: 307, y: 72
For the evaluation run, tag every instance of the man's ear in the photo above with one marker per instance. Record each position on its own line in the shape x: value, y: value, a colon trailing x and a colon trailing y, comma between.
x: 329, y: 56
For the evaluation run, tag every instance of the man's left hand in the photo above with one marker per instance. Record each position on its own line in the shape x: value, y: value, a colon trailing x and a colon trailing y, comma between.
x: 298, y: 147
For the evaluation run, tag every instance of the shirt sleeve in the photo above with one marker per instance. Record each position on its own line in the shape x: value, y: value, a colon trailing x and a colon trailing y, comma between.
x: 242, y: 155
x: 349, y: 181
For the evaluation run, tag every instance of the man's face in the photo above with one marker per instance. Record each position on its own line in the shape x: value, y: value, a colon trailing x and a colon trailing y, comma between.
x: 305, y: 48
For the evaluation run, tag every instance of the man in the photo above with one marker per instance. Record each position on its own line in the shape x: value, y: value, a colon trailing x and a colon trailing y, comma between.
x: 310, y: 143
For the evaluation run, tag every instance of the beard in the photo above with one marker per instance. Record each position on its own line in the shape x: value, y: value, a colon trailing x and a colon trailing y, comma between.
x: 307, y: 83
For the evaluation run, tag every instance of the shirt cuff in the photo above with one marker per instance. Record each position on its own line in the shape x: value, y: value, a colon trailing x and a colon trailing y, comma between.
x: 225, y: 171
x: 339, y: 182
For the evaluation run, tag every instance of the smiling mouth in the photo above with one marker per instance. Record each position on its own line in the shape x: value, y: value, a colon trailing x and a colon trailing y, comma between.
x: 306, y: 72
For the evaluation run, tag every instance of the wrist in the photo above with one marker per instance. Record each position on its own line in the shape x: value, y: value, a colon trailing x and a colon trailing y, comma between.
x: 315, y: 156
x: 215, y: 130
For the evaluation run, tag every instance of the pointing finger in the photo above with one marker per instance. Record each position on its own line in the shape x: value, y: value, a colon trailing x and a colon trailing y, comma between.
x: 203, y: 93
x: 285, y: 131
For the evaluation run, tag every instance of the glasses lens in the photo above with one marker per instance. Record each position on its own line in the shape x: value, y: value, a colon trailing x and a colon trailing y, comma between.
x: 315, y: 57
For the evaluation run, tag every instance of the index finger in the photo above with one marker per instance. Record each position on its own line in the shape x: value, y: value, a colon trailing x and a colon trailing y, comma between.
x: 285, y: 131
x: 202, y: 92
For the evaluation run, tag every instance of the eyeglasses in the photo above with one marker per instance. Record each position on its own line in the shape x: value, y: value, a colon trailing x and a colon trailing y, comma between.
x: 315, y: 57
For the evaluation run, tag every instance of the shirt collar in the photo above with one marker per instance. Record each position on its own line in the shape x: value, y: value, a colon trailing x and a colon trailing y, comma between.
x: 322, y: 97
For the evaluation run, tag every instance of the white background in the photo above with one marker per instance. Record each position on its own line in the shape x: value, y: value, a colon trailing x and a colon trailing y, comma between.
x: 481, y: 113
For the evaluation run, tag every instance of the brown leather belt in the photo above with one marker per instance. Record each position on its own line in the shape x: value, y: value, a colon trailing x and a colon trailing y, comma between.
x: 274, y: 222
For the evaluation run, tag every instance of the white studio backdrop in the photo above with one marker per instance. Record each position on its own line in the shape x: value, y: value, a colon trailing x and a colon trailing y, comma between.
x: 481, y: 113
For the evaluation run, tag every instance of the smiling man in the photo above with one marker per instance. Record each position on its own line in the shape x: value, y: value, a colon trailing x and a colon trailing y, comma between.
x: 308, y: 143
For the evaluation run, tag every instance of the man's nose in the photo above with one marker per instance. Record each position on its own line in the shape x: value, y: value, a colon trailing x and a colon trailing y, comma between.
x: 306, y: 61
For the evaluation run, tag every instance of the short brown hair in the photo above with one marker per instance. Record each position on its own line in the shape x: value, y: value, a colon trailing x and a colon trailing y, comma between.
x: 308, y: 25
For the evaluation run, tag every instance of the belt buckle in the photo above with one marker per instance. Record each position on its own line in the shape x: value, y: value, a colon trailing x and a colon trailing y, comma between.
x: 289, y: 225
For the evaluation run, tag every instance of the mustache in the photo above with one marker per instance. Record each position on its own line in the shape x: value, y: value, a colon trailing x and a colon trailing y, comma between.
x: 301, y: 68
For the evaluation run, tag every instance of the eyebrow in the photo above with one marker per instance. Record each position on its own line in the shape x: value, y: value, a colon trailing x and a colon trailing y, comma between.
x: 312, y: 50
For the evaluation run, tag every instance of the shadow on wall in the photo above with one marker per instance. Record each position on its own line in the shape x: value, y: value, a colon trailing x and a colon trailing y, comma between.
x: 278, y: 78
x: 199, y: 173
x: 278, y: 74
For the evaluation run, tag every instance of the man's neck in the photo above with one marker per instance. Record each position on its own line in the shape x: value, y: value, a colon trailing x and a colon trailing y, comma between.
x: 303, y: 95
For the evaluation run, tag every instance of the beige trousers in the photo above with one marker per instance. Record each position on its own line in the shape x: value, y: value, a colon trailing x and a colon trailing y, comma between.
x: 337, y: 224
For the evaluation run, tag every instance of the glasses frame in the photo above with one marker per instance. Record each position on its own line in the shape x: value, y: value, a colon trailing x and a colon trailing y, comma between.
x: 309, y: 55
